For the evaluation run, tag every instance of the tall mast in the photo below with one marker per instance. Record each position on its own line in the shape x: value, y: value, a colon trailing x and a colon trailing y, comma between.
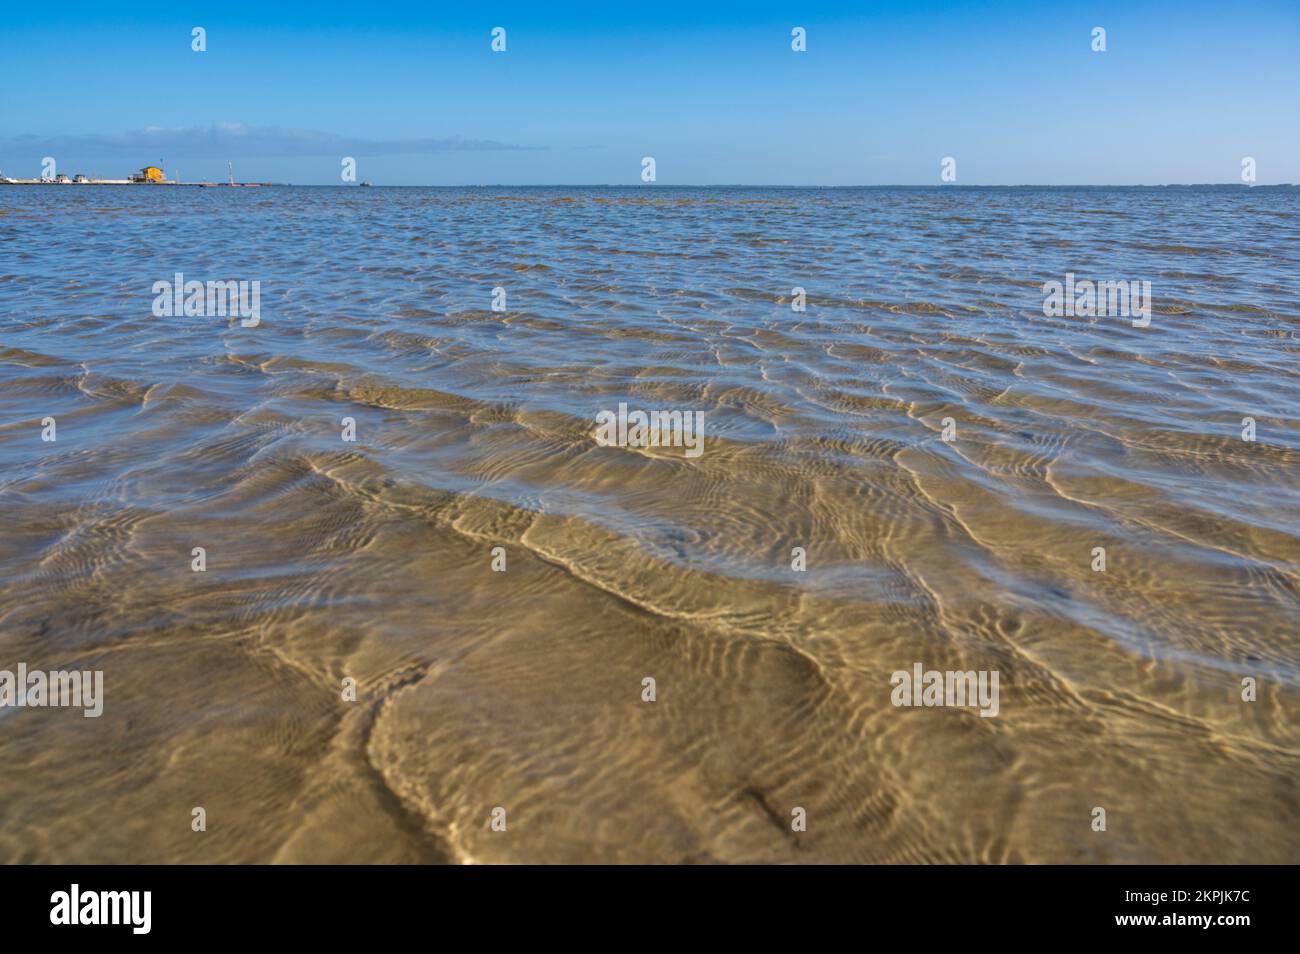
x: 231, y: 169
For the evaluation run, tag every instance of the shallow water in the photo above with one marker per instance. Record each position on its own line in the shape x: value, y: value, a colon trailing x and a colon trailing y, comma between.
x: 522, y: 689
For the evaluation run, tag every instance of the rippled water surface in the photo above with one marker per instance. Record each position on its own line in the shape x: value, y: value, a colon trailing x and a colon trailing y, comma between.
x: 1119, y: 688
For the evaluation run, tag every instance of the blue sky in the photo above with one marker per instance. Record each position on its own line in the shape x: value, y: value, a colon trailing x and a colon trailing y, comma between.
x: 1012, y: 90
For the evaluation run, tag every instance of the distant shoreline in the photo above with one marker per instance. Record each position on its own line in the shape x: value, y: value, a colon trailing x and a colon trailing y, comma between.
x: 124, y: 182
x: 1234, y: 186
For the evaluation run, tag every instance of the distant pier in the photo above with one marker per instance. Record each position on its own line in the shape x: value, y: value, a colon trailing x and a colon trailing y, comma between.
x: 148, y: 176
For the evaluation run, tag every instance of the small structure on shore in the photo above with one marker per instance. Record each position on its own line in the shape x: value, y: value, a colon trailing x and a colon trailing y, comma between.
x: 148, y: 174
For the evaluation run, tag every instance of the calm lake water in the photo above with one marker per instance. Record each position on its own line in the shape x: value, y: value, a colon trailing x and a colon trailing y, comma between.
x: 824, y: 429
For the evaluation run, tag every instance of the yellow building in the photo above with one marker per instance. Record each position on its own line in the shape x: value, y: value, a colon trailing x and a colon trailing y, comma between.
x: 149, y: 174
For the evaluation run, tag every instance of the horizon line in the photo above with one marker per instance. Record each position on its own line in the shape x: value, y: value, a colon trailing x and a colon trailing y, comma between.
x: 778, y: 185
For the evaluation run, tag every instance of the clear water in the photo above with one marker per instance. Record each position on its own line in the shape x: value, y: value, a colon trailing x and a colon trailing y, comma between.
x: 373, y: 559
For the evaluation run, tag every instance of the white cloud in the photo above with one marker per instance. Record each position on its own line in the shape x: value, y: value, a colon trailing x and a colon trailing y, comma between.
x: 225, y: 140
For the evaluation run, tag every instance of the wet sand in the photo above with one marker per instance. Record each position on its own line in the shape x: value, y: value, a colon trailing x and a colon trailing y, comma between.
x: 522, y: 689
